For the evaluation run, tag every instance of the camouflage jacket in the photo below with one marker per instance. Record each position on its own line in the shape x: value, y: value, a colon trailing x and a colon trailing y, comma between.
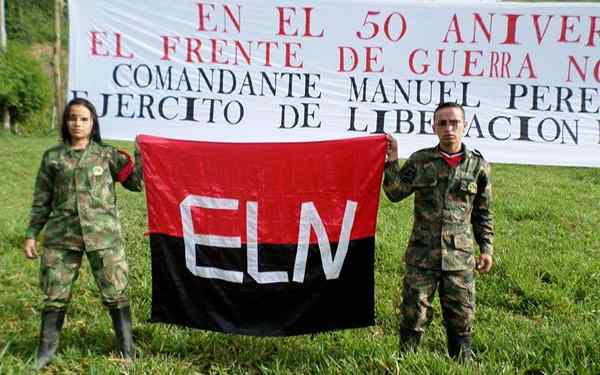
x: 452, y: 205
x: 74, y: 196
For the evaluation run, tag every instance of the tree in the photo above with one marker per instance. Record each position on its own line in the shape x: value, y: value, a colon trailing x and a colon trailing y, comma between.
x: 24, y: 85
x: 6, y: 112
x: 2, y: 26
x: 58, y: 88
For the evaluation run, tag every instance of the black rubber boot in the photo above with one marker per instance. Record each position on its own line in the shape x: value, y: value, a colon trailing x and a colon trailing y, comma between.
x: 409, y: 340
x: 459, y: 347
x: 121, y: 318
x: 52, y: 322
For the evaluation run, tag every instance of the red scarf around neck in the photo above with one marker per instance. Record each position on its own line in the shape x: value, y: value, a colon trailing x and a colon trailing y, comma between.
x: 452, y: 159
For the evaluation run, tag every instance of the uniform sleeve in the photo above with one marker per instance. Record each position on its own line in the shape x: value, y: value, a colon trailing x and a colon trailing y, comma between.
x: 137, y: 177
x: 42, y: 199
x: 481, y: 217
x: 126, y: 171
x: 398, y: 181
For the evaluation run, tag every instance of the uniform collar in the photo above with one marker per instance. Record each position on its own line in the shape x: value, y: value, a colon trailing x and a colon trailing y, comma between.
x: 91, y: 148
x: 435, y: 154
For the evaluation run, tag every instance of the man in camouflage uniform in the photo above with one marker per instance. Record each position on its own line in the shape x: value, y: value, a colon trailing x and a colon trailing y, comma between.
x: 452, y: 187
x: 74, y: 198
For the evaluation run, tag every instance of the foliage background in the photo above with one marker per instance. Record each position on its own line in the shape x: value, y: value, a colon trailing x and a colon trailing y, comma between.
x: 24, y: 86
x: 28, y: 68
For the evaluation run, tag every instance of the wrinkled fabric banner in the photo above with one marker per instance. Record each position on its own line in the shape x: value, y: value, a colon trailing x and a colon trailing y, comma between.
x: 263, y: 239
x: 527, y: 74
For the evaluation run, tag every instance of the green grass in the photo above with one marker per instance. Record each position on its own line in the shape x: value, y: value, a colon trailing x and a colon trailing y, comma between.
x: 538, y: 310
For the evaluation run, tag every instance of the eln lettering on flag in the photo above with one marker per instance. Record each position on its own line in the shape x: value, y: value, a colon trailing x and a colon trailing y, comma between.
x: 263, y: 239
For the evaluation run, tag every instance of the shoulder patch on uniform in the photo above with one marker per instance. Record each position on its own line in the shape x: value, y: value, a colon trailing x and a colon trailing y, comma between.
x: 478, y: 153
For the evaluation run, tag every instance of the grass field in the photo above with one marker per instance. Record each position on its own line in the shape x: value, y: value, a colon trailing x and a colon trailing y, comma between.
x: 538, y: 310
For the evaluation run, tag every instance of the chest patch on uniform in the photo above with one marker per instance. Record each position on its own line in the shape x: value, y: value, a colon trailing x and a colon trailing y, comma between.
x: 97, y: 171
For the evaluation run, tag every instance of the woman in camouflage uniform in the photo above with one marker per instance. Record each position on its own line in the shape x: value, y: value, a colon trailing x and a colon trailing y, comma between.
x: 74, y: 198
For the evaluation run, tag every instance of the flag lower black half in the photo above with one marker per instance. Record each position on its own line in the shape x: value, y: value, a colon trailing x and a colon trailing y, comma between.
x: 249, y: 308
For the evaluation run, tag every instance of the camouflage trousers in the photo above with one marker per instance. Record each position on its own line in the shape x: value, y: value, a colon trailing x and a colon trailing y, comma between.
x: 457, y: 297
x: 59, y: 270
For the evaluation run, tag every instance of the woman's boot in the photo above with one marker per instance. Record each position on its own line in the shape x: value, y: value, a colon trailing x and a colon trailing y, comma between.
x: 52, y: 322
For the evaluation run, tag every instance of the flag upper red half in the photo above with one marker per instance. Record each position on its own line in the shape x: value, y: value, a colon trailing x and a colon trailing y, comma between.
x: 279, y: 177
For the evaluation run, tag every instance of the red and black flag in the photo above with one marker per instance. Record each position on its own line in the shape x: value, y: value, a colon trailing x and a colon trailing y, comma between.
x: 263, y: 239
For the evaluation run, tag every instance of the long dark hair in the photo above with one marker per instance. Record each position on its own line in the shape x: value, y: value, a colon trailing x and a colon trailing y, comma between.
x: 95, y: 135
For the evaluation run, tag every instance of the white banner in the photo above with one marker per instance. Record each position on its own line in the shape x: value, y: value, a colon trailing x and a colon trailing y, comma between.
x: 527, y: 74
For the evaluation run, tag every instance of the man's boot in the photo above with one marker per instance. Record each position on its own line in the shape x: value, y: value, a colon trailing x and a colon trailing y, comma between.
x: 121, y: 318
x: 409, y: 340
x: 459, y: 347
x: 52, y: 322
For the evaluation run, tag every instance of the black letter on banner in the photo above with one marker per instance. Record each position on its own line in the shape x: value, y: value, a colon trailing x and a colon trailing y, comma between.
x: 123, y: 105
x: 241, y: 112
x: 283, y: 116
x: 425, y: 121
x: 513, y: 94
x: 556, y: 127
x: 115, y: 75
x: 290, y: 77
x: 161, y: 108
x: 524, y: 128
x: 475, y: 124
x: 163, y: 83
x: 211, y: 111
x: 189, y: 108
x: 399, y: 121
x: 311, y: 114
x: 104, y: 110
x: 419, y: 89
x: 221, y: 80
x: 445, y: 94
x: 493, y: 132
x: 136, y: 77
x: 574, y: 136
x: 146, y: 106
x: 308, y: 84
x: 465, y: 96
x: 560, y: 98
x: 585, y: 99
x: 352, y: 119
x: 380, y: 123
x: 354, y: 90
x: 539, y: 97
